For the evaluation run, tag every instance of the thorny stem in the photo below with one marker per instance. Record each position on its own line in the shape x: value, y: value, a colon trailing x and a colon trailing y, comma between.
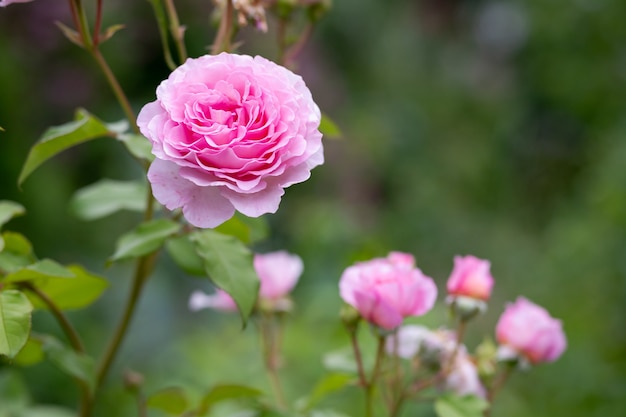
x: 369, y: 388
x: 177, y: 30
x: 222, y: 39
x: 72, y: 336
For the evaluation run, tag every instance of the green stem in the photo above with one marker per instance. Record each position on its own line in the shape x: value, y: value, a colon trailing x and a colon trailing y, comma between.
x: 157, y: 6
x: 270, y: 340
x: 357, y: 355
x: 117, y: 89
x: 176, y: 30
x: 66, y: 325
x: 371, y: 385
x: 497, y: 385
x: 142, y: 271
x: 74, y: 339
x: 222, y: 39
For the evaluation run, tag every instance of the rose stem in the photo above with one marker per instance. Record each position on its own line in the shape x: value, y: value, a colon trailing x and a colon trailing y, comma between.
x: 270, y: 340
x: 222, y: 39
x: 176, y: 30
x: 73, y: 338
x: 497, y: 384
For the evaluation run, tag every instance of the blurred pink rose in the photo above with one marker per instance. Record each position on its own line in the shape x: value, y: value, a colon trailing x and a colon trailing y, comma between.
x: 278, y: 273
x: 4, y: 3
x: 463, y: 378
x: 230, y: 132
x: 531, y: 332
x: 220, y: 300
x: 470, y: 278
x: 436, y: 348
x: 385, y: 290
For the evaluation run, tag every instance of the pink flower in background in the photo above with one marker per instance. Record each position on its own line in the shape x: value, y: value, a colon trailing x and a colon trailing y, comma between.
x: 463, y: 378
x: 385, y: 290
x: 437, y: 347
x: 230, y: 132
x: 528, y: 330
x: 278, y: 273
x: 220, y: 300
x: 4, y: 3
x: 470, y: 278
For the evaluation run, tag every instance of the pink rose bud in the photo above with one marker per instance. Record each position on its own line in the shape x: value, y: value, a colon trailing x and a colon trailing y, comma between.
x: 230, y: 132
x: 4, y: 3
x: 278, y: 273
x: 528, y: 330
x: 470, y: 278
x: 385, y: 290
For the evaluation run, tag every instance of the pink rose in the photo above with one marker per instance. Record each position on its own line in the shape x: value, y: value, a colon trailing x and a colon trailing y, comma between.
x: 437, y: 347
x: 470, y: 278
x: 385, y: 290
x: 463, y: 378
x: 4, y: 3
x: 278, y: 273
x: 230, y: 132
x: 531, y: 332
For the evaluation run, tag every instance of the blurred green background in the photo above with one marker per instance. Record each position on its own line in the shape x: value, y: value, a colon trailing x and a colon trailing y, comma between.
x: 493, y: 128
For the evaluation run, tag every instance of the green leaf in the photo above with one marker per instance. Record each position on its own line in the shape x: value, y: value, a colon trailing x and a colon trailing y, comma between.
x: 246, y: 229
x: 73, y: 363
x: 15, y: 321
x: 183, y: 252
x: 67, y: 293
x: 107, y: 197
x: 109, y: 32
x: 8, y: 210
x: 329, y: 129
x: 329, y: 384
x: 14, y: 395
x: 31, y: 353
x: 138, y: 145
x: 17, y: 252
x: 56, y: 139
x: 455, y: 406
x: 228, y: 263
x: 45, y: 268
x: 146, y: 238
x: 170, y: 400
x: 226, y: 392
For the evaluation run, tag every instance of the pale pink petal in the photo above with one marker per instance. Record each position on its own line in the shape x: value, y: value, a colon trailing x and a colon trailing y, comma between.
x: 202, y: 206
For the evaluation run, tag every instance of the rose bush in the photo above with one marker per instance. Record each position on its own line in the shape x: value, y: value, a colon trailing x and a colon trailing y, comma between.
x: 230, y: 132
x: 470, y: 277
x: 278, y: 273
x: 527, y: 330
x: 385, y: 290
